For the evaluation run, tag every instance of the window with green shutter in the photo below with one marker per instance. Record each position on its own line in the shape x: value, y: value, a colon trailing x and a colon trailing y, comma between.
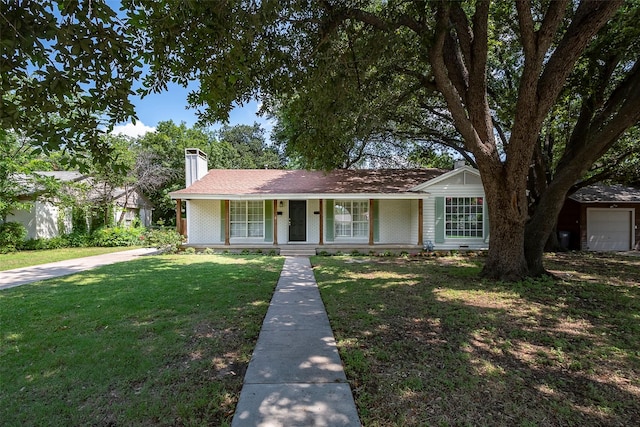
x: 351, y: 218
x: 246, y: 218
x: 268, y: 221
x: 222, y: 221
x: 439, y: 237
x: 329, y: 229
x: 464, y: 217
x: 376, y: 220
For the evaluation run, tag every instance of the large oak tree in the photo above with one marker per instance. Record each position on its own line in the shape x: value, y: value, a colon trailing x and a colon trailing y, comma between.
x: 439, y: 58
x: 483, y: 77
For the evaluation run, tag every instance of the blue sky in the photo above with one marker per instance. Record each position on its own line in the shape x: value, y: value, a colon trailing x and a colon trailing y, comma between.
x: 172, y: 105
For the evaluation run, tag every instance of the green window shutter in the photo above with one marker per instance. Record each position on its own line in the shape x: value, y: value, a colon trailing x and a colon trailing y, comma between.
x: 439, y: 220
x: 376, y: 220
x: 485, y: 220
x: 329, y: 230
x: 268, y: 220
x: 222, y: 220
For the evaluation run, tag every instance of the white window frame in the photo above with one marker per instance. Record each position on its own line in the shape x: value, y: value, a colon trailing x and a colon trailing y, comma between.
x: 345, y: 228
x: 246, y: 218
x: 464, y: 217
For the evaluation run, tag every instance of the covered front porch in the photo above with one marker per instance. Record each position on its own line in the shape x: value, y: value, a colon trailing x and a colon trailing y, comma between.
x: 320, y: 225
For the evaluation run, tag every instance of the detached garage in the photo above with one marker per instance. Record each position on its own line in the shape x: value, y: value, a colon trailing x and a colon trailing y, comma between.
x: 601, y: 218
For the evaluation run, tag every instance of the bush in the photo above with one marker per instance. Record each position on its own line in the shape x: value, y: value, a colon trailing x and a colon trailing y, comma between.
x: 12, y: 235
x: 78, y: 240
x: 42, y: 244
x: 167, y: 239
x: 118, y: 236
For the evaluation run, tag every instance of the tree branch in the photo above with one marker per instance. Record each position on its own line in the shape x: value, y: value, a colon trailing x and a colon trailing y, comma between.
x: 342, y: 14
x: 527, y: 34
x: 590, y: 17
x: 451, y: 95
x: 550, y: 23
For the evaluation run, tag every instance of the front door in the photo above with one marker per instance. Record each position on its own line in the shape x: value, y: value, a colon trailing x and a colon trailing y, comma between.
x: 297, y: 220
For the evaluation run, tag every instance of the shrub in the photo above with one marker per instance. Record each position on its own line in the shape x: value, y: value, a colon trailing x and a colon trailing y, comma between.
x: 78, y: 240
x: 57, y: 242
x: 190, y: 250
x: 32, y: 245
x: 12, y: 235
x: 73, y: 240
x: 166, y: 239
x: 118, y: 236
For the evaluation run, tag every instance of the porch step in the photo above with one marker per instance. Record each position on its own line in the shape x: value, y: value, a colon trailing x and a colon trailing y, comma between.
x: 298, y: 252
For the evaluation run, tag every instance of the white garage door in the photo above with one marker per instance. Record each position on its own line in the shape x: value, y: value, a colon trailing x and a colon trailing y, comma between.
x: 609, y: 229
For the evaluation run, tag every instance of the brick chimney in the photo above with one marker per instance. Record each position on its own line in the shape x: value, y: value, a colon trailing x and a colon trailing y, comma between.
x: 195, y: 162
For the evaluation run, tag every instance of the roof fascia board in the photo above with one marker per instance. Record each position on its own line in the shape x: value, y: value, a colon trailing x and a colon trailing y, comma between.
x: 306, y: 196
x: 445, y: 176
x: 582, y: 201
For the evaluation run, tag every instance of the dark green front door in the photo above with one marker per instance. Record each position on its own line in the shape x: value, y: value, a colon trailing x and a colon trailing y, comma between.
x: 297, y: 220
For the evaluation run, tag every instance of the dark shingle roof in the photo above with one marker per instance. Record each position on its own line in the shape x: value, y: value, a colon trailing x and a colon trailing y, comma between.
x: 277, y: 181
x: 607, y: 193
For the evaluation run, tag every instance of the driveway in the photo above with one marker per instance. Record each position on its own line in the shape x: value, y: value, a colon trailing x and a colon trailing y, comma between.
x: 22, y: 276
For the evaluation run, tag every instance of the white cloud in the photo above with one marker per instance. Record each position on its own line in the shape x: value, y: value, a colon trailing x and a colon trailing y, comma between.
x: 132, y: 130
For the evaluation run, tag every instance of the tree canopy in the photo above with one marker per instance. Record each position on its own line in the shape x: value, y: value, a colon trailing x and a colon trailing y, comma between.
x: 67, y: 71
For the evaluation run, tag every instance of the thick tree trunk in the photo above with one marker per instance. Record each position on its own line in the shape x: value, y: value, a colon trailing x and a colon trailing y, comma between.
x: 506, y: 260
x: 507, y: 215
x: 544, y: 218
x: 537, y: 234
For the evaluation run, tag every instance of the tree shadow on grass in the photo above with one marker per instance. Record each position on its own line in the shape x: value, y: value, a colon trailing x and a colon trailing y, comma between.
x: 449, y: 349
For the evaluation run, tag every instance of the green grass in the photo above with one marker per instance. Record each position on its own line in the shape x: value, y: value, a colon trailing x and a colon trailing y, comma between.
x: 425, y: 342
x: 28, y: 258
x: 163, y: 340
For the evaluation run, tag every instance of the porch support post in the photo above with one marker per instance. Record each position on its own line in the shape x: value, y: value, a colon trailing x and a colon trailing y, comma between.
x: 275, y: 222
x: 371, y: 220
x: 227, y: 223
x: 179, y: 216
x: 420, y: 222
x: 321, y: 240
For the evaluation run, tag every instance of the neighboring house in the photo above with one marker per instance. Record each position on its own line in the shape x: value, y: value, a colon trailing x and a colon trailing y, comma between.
x: 129, y: 205
x: 601, y: 218
x: 340, y: 210
x: 135, y: 206
x: 46, y: 219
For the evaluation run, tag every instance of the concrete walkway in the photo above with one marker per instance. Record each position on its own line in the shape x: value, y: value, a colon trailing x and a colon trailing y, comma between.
x: 21, y: 276
x: 295, y: 377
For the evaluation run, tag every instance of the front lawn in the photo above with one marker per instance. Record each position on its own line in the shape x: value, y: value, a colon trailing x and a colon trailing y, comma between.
x: 163, y: 340
x: 29, y: 258
x: 425, y: 342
